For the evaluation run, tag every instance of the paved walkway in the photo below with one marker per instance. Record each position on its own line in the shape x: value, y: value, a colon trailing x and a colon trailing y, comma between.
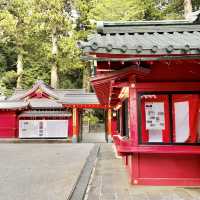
x: 98, y: 137
x: 110, y: 181
x: 40, y: 171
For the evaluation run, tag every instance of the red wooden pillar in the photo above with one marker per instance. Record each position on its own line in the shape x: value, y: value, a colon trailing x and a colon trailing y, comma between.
x: 133, y: 113
x: 75, y: 125
x: 70, y: 127
x: 109, y: 128
x: 17, y: 126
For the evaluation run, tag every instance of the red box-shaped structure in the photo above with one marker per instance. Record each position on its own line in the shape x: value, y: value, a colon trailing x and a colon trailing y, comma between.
x: 8, y: 128
x: 149, y: 72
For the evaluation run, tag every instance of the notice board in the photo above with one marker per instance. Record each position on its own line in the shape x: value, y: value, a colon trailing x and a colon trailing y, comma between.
x: 155, y: 116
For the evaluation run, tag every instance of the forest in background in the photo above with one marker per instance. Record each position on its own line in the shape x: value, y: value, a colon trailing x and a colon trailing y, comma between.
x: 38, y: 38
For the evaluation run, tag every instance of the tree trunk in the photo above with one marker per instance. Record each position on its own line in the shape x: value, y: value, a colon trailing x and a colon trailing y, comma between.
x: 54, y: 67
x: 86, y: 78
x: 19, y: 69
x: 187, y: 8
x: 54, y: 75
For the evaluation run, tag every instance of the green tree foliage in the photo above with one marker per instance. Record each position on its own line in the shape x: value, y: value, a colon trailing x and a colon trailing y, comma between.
x: 27, y: 28
x: 119, y: 10
x: 15, y: 26
x: 125, y: 10
x: 52, y: 21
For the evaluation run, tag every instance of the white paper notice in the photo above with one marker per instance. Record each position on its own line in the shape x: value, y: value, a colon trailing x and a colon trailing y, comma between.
x: 155, y: 135
x: 155, y: 116
x: 182, y: 127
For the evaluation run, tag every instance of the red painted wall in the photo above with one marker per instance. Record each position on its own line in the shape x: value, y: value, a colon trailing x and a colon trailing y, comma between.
x: 114, y: 126
x: 173, y: 71
x: 164, y: 169
x: 8, y: 124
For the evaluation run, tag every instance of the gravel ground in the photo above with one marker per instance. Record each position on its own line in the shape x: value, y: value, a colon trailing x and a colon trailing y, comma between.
x: 40, y: 171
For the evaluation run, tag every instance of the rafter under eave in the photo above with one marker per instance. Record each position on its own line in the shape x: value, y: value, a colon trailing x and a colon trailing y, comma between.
x: 128, y: 71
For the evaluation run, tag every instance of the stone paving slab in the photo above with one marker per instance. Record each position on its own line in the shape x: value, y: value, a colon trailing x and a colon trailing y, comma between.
x: 110, y: 182
x: 40, y: 171
x: 98, y: 137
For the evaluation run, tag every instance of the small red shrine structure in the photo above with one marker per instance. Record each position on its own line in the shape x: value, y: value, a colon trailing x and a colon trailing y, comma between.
x: 44, y: 112
x: 149, y: 72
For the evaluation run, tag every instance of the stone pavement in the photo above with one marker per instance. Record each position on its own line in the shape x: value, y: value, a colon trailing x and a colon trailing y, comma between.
x: 40, y: 171
x: 92, y: 137
x: 110, y: 182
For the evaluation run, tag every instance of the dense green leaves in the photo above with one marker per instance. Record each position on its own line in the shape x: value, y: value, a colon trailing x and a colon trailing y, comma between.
x: 125, y: 10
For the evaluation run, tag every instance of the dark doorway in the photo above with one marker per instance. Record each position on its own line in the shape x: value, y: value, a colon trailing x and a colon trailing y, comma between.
x: 125, y: 129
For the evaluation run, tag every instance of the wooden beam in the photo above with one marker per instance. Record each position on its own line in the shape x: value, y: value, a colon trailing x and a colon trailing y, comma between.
x: 168, y: 86
x: 98, y: 106
x: 144, y: 58
x: 120, y: 84
x: 132, y: 70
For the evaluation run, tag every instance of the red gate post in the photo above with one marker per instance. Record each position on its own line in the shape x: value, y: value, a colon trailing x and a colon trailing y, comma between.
x: 109, y: 125
x: 74, y: 125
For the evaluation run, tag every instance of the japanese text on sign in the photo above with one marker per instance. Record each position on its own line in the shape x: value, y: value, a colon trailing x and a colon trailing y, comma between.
x: 155, y: 118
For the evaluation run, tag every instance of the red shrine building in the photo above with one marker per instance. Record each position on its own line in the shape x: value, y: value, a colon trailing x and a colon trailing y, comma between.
x: 149, y: 72
x: 44, y: 112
